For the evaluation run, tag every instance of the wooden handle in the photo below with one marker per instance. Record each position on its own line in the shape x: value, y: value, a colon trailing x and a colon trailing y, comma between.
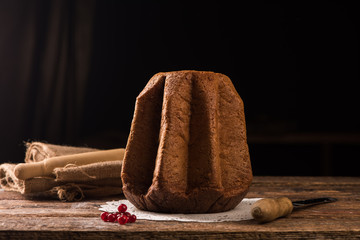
x: 269, y: 209
x: 25, y: 171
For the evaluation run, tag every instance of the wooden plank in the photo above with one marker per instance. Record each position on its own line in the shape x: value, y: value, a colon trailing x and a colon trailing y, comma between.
x: 34, y: 219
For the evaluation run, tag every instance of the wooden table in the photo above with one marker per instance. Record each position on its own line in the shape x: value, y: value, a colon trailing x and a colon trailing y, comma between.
x: 22, y: 218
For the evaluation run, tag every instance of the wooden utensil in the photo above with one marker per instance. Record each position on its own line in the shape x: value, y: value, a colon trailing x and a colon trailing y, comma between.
x: 269, y: 209
x: 44, y: 168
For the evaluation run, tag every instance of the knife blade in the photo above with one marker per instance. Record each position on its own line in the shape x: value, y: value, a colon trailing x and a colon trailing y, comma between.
x: 269, y: 209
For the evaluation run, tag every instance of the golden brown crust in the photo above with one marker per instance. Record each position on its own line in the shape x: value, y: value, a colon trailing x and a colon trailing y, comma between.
x: 187, y: 149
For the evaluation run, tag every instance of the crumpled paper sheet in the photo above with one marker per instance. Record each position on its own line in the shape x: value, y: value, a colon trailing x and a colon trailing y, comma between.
x: 240, y: 212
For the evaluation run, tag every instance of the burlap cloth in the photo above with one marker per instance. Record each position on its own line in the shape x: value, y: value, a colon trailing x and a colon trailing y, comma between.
x: 38, y: 151
x: 69, y: 183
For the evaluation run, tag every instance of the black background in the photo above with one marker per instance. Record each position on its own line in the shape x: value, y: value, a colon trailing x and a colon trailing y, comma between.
x: 294, y: 65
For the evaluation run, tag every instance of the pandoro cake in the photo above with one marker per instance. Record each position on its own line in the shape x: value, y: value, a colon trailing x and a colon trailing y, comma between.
x: 187, y: 149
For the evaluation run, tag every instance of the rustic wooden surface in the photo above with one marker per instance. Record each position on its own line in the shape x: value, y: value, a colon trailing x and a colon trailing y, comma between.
x: 22, y: 218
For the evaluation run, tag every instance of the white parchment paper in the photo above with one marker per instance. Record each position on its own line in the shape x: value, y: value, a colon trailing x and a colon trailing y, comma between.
x: 240, y: 212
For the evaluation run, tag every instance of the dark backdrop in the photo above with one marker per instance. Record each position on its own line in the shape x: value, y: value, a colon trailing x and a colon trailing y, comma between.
x: 70, y: 71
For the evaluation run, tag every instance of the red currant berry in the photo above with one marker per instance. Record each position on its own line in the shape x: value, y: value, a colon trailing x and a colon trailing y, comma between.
x: 123, y: 219
x: 132, y: 219
x: 112, y: 217
x: 104, y: 216
x: 127, y: 214
x: 122, y: 208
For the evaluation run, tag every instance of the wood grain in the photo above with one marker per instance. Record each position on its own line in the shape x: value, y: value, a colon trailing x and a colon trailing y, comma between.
x: 22, y: 218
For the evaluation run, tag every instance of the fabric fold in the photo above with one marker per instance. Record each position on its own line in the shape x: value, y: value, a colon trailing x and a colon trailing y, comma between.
x: 10, y: 182
x: 38, y: 151
x: 89, y: 172
x: 70, y: 183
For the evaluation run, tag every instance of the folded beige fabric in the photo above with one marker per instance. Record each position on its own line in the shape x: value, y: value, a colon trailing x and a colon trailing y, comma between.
x: 74, y: 184
x: 46, y: 167
x: 77, y: 192
x: 38, y: 184
x: 38, y: 151
x: 9, y: 182
x: 69, y: 183
x: 89, y: 172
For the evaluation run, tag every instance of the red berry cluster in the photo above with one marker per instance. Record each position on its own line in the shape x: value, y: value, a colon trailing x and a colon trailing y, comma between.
x: 122, y: 216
